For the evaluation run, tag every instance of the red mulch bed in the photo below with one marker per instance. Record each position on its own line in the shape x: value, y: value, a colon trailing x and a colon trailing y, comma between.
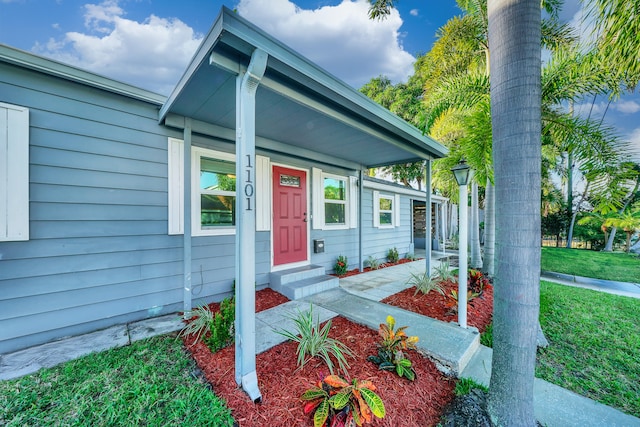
x: 433, y: 304
x: 408, y: 404
x: 355, y: 271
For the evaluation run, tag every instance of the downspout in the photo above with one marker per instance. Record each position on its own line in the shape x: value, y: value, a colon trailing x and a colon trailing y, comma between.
x: 186, y: 238
x: 427, y: 243
x: 360, y: 218
x: 245, y: 346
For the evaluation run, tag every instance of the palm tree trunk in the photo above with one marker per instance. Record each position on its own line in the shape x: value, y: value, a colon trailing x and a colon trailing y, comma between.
x: 476, y: 257
x: 608, y: 247
x: 489, y: 229
x: 630, y: 197
x: 514, y: 42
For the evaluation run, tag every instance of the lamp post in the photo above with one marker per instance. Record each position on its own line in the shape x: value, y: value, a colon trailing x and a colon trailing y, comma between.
x: 463, y: 174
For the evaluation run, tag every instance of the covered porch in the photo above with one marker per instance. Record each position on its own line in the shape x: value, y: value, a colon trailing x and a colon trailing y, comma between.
x: 258, y: 100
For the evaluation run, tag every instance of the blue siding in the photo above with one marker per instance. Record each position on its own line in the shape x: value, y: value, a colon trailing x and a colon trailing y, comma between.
x: 376, y: 241
x: 99, y: 253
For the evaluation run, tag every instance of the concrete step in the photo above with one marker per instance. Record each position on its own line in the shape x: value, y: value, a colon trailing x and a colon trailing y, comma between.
x: 307, y: 287
x: 279, y: 278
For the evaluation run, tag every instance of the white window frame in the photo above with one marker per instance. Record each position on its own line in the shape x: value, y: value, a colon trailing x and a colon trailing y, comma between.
x: 346, y: 202
x: 196, y: 202
x: 175, y: 166
x: 395, y: 209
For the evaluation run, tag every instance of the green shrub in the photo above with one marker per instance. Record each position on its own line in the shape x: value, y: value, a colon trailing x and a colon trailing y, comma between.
x: 341, y: 265
x: 219, y: 325
x: 222, y: 328
x: 200, y: 320
x: 336, y: 402
x: 314, y: 341
x: 391, y: 356
x: 392, y: 255
x: 424, y: 283
x: 373, y: 263
x: 443, y: 272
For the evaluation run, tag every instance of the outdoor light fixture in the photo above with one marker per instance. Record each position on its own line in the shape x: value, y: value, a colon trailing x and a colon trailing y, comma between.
x: 463, y: 174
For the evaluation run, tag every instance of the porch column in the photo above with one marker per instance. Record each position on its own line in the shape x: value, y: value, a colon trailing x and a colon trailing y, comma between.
x: 443, y: 207
x: 360, y: 218
x: 245, y: 358
x: 427, y: 245
x: 186, y: 237
x: 436, y: 213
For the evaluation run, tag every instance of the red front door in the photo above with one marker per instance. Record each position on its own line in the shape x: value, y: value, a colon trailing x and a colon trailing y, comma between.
x: 289, y: 215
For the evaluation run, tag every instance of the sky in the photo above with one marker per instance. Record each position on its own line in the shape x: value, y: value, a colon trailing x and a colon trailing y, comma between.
x: 148, y: 43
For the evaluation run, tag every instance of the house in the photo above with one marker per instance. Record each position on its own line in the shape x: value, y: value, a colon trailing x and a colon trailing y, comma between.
x: 119, y: 204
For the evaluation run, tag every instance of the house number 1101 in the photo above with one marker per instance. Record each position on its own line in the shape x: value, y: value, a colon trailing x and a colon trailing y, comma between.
x: 248, y: 188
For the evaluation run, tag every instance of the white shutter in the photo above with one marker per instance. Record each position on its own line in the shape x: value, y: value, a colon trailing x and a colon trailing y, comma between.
x: 317, y: 199
x: 396, y: 211
x: 14, y: 173
x: 376, y: 209
x: 353, y: 202
x: 176, y: 186
x: 263, y: 193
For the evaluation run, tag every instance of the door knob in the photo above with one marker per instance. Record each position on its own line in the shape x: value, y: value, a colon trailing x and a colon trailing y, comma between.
x: 305, y: 217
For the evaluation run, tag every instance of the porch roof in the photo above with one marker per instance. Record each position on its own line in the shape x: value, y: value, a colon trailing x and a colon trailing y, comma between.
x: 301, y: 109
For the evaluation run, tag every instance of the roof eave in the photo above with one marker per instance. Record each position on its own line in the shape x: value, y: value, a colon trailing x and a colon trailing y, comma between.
x: 242, y: 36
x: 31, y: 61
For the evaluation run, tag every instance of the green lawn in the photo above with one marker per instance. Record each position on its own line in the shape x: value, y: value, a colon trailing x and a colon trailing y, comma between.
x: 617, y: 266
x: 148, y: 383
x: 594, y: 344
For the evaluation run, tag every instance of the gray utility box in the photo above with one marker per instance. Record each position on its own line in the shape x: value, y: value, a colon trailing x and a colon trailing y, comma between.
x: 318, y: 246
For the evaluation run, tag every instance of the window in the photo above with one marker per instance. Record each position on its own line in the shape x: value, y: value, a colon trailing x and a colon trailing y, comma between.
x: 213, y: 191
x: 335, y: 200
x: 213, y: 196
x: 217, y: 193
x: 386, y: 210
x: 14, y: 173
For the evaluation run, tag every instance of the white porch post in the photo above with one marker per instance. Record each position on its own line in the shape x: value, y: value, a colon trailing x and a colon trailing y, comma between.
x: 186, y: 238
x: 427, y: 243
x: 245, y: 346
x: 360, y: 219
x: 462, y: 257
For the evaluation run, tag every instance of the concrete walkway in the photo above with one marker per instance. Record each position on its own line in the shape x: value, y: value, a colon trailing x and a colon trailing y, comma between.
x: 448, y: 345
x: 453, y: 349
x: 609, y: 286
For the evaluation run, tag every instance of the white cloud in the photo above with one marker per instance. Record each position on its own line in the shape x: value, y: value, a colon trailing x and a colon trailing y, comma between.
x: 151, y: 54
x: 592, y: 110
x: 414, y: 12
x: 342, y: 39
x: 627, y: 107
x: 155, y: 52
x: 584, y: 24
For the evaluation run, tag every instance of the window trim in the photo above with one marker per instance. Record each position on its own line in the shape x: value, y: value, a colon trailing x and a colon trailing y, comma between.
x: 395, y: 206
x: 346, y: 202
x: 175, y: 172
x: 196, y: 202
x: 390, y: 211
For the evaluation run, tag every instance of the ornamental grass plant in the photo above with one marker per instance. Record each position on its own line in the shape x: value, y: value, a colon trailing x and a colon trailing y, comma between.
x: 313, y: 340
